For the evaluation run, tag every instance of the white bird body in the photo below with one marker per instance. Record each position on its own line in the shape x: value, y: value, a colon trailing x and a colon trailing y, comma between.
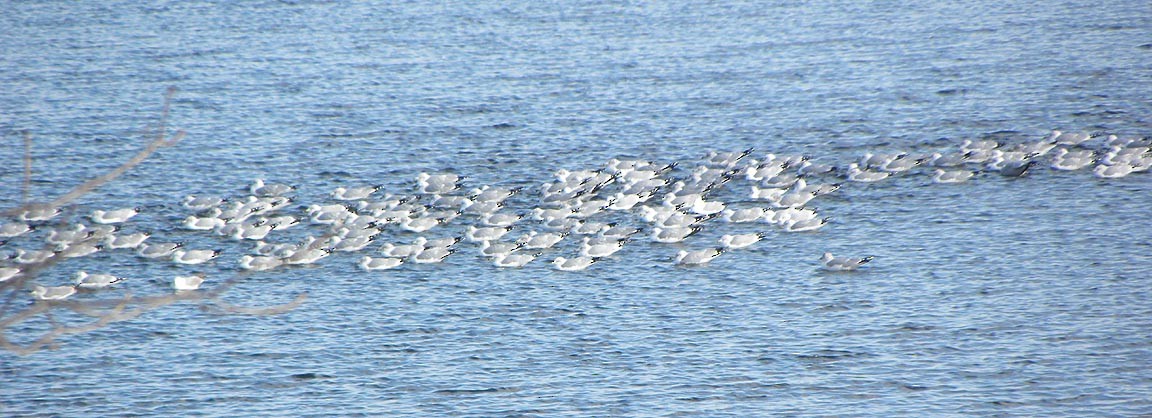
x: 514, y: 260
x: 698, y: 257
x: 404, y: 250
x: 183, y: 256
x: 95, y: 281
x: 186, y: 283
x: 674, y: 234
x: 158, y: 250
x: 14, y: 229
x: 201, y: 203
x: 805, y: 225
x: 126, y: 241
x: 737, y: 241
x: 843, y: 263
x: 574, y: 263
x: 380, y: 263
x: 207, y: 223
x: 433, y: 255
x: 855, y: 173
x: 600, y: 249
x: 354, y: 193
x: 113, y: 216
x: 259, y: 263
x: 488, y: 233
x: 53, y: 293
x: 941, y: 176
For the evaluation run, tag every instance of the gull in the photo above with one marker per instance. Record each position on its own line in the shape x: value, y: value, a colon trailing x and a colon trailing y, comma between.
x: 404, y: 250
x: 307, y: 255
x: 786, y: 215
x: 158, y: 250
x: 72, y: 233
x: 187, y: 283
x: 781, y: 180
x: 1015, y: 168
x: 353, y: 244
x: 382, y: 263
x: 771, y: 193
x: 539, y: 241
x: 497, y: 248
x: 275, y: 250
x: 843, y: 263
x: 514, y: 260
x: 32, y: 257
x: 253, y: 231
x: 698, y: 257
x: 7, y: 273
x: 680, y: 219
x: 702, y: 207
x: 1072, y: 160
x: 740, y: 240
x: 765, y: 170
x: 79, y: 249
x: 802, y: 185
x: 617, y: 231
x: 53, y: 293
x: 901, y: 164
x: 260, y: 263
x: 261, y: 189
x: 1112, y: 171
x: 450, y: 202
x: 983, y: 145
x: 1069, y: 138
x: 183, y: 256
x: 328, y: 214
x: 486, y: 233
x: 809, y: 168
x: 201, y: 203
x: 437, y: 183
x: 603, y: 249
x: 95, y: 281
x: 482, y: 208
x: 574, y: 264
x: 794, y: 199
x: 501, y: 219
x: 743, y: 215
x: 493, y: 194
x: 433, y: 255
x: 445, y: 242
x: 949, y: 160
x: 941, y: 176
x: 39, y: 213
x: 870, y: 160
x: 805, y: 225
x: 14, y: 229
x: 197, y: 223
x: 627, y: 201
x: 728, y: 159
x: 865, y: 176
x: 674, y: 234
x: 354, y: 193
x: 126, y: 241
x: 419, y: 224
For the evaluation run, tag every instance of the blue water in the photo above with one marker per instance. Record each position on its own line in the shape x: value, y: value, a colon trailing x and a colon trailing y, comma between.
x: 1023, y: 297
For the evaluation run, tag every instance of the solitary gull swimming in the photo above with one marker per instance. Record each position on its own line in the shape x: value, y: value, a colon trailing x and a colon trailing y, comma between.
x: 843, y: 263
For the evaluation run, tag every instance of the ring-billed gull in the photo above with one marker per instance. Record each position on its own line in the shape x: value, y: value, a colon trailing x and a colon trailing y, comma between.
x: 53, y: 293
x: 736, y: 241
x: 698, y: 257
x: 260, y: 262
x: 380, y: 263
x: 186, y: 283
x: 95, y: 281
x: 183, y: 256
x: 574, y: 263
x: 843, y: 263
x: 114, y: 216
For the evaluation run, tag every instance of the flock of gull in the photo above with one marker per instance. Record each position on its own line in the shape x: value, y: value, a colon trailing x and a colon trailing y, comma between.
x: 575, y: 219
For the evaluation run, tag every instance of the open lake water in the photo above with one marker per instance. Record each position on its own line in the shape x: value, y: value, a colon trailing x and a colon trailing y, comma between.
x: 1025, y: 296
